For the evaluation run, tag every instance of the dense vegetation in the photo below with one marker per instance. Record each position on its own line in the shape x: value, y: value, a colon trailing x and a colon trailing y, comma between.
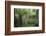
x: 26, y: 17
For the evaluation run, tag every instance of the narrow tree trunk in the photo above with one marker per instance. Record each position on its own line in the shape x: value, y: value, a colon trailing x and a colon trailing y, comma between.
x: 20, y: 20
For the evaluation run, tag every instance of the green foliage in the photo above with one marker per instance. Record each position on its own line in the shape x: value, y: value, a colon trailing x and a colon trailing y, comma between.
x: 23, y: 13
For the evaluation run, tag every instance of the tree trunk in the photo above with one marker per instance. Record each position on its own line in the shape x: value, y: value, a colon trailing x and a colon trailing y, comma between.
x: 20, y: 17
